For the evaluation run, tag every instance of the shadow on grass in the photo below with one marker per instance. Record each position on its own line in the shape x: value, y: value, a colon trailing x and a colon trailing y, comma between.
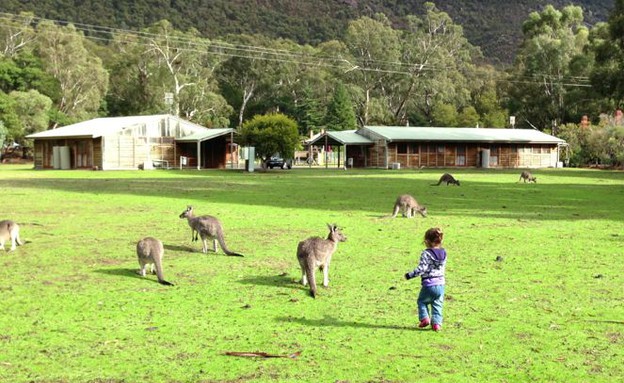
x: 282, y: 280
x: 187, y: 249
x: 132, y: 273
x: 329, y: 321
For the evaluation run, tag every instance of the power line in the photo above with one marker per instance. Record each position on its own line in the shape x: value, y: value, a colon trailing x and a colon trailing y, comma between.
x: 255, y: 52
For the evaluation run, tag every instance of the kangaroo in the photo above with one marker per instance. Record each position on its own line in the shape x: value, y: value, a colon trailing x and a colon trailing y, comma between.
x: 316, y: 252
x: 9, y: 230
x: 449, y: 179
x: 408, y: 206
x: 150, y: 252
x: 207, y: 227
x: 527, y: 177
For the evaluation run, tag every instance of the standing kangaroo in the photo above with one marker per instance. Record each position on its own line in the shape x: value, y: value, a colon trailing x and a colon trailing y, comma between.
x: 208, y: 227
x: 150, y: 252
x: 527, y: 177
x: 408, y: 207
x: 449, y: 179
x: 316, y: 252
x: 9, y: 230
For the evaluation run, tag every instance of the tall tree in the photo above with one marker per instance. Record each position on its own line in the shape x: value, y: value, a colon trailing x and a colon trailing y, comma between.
x: 82, y: 79
x: 340, y: 112
x: 16, y: 33
x: 375, y: 49
x: 250, y: 72
x: 607, y: 44
x: 542, y: 75
x: 436, y: 59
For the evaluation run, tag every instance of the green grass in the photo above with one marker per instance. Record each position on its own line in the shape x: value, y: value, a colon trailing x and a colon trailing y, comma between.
x: 74, y: 309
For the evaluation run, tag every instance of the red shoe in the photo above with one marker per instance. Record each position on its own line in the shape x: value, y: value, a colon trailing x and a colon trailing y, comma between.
x: 436, y: 327
x: 424, y: 323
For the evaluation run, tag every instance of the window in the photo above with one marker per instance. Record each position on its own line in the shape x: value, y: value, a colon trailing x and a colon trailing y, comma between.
x: 401, y: 148
x: 441, y: 149
x: 460, y: 158
x: 414, y: 148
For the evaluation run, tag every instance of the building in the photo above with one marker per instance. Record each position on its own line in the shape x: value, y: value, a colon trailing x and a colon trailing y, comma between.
x: 133, y: 142
x: 415, y: 147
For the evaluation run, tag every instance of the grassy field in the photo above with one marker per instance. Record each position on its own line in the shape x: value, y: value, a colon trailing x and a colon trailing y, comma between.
x: 74, y: 309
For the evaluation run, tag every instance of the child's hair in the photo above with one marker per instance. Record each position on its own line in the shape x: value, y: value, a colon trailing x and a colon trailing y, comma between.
x: 433, y: 236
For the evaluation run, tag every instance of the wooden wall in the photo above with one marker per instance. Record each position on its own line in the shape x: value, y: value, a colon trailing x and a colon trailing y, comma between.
x: 444, y: 155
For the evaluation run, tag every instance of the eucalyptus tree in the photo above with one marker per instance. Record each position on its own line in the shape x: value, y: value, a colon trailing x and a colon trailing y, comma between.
x: 374, y: 47
x: 81, y: 77
x: 542, y: 77
x: 16, y: 33
x: 244, y: 75
x: 185, y: 62
x: 607, y: 45
x: 436, y: 59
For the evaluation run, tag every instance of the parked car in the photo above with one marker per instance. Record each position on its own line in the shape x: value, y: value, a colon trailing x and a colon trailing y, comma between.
x: 277, y: 162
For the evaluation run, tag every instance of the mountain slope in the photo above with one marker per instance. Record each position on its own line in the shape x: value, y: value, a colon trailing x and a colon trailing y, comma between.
x: 493, y: 25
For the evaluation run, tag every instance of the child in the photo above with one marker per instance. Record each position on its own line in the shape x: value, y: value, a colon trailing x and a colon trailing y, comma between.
x: 431, y: 270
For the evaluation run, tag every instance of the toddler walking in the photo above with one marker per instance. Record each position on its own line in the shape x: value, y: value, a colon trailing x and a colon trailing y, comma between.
x: 431, y: 271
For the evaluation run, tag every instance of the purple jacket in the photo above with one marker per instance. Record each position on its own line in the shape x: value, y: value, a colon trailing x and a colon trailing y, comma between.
x: 430, y: 268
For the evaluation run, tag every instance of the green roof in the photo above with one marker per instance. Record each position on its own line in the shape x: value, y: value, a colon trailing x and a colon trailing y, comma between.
x: 206, y: 134
x: 489, y: 135
x: 341, y: 137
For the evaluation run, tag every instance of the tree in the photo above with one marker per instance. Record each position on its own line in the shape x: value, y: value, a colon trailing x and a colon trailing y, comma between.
x: 33, y: 109
x: 250, y: 72
x: 16, y: 34
x: 340, y: 112
x: 542, y: 72
x: 444, y: 115
x: 271, y: 134
x: 607, y: 45
x: 82, y: 79
x: 375, y: 49
x: 12, y: 124
x: 437, y: 59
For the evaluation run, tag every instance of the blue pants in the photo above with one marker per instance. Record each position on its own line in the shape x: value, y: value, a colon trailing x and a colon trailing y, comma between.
x: 434, y: 296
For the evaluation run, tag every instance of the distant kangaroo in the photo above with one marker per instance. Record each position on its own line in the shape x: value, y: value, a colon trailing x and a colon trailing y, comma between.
x: 208, y: 227
x: 527, y: 177
x: 316, y: 252
x: 408, y: 207
x: 449, y: 179
x: 150, y: 252
x: 9, y: 230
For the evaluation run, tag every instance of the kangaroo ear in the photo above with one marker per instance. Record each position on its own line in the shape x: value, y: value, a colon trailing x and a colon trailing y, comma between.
x: 331, y: 227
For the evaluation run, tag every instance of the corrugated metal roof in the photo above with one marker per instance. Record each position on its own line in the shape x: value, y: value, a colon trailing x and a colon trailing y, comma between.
x: 99, y: 127
x: 408, y: 133
x: 205, y: 134
x: 343, y: 137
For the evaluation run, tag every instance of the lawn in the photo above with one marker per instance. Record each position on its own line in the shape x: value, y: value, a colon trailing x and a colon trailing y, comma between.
x: 535, y: 285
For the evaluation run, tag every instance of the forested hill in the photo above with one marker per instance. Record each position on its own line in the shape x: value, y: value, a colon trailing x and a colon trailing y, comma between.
x: 494, y: 25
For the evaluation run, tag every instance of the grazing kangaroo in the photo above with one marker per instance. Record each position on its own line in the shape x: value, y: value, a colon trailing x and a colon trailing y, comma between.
x: 527, y: 177
x: 316, y: 252
x: 150, y: 252
x: 408, y: 206
x: 9, y: 230
x: 208, y: 227
x: 449, y: 179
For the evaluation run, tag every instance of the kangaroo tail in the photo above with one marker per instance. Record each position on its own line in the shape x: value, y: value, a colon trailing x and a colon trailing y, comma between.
x: 223, y: 246
x: 311, y: 278
x: 158, y: 264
